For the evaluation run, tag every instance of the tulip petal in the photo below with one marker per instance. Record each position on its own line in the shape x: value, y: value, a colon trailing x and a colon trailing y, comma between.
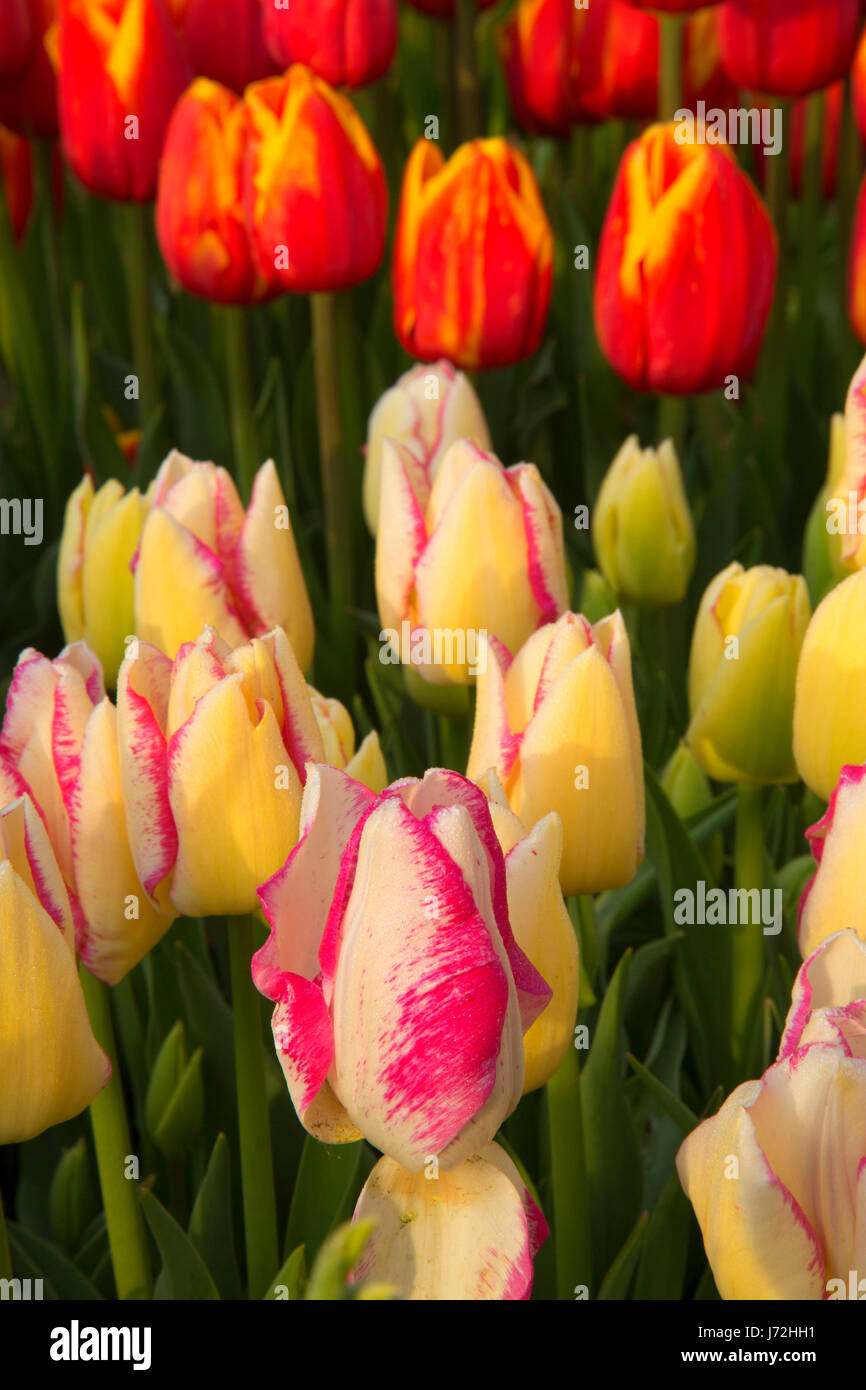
x: 834, y: 897
x: 266, y: 571
x: 180, y: 586
x: 24, y: 842
x: 304, y: 1040
x: 401, y: 540
x: 143, y: 689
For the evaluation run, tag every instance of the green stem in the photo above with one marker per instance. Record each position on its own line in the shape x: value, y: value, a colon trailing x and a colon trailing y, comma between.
x: 466, y: 70
x: 747, y: 974
x: 568, y: 1171
x: 257, y: 1169
x: 670, y: 65
x: 241, y: 395
x: 850, y: 164
x: 126, y: 1232
x: 810, y: 226
x: 134, y: 238
x: 673, y: 421
x: 6, y: 1271
x: 772, y: 383
x: 338, y: 530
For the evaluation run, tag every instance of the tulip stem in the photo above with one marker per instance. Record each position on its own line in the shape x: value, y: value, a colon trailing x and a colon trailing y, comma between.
x: 5, y: 1253
x: 466, y: 70
x: 672, y: 422
x: 126, y: 1233
x: 241, y: 396
x: 257, y: 1168
x: 132, y: 225
x: 850, y: 160
x: 670, y: 65
x: 747, y: 974
x: 568, y: 1170
x: 338, y: 531
x: 810, y: 224
x: 772, y: 382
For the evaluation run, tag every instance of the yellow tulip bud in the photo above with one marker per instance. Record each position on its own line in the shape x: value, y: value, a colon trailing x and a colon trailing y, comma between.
x: 559, y: 726
x: 642, y: 528
x: 829, y: 727
x: 367, y: 765
x: 745, y: 648
x: 101, y: 532
x: 51, y: 1066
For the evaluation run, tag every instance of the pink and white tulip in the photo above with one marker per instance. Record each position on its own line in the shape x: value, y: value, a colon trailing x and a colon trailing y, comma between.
x: 778, y: 1177
x: 835, y: 896
x: 402, y: 996
x: 468, y: 1234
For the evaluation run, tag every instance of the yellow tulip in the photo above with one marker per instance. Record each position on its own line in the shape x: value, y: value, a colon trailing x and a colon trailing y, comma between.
x: 829, y: 724
x: 642, y: 529
x: 742, y: 670
x: 835, y: 896
x: 367, y: 765
x: 845, y: 512
x: 774, y: 1177
x: 51, y: 1066
x: 482, y: 553
x: 213, y: 749
x: 203, y: 561
x: 428, y: 410
x: 558, y: 724
x: 101, y: 532
x: 542, y: 928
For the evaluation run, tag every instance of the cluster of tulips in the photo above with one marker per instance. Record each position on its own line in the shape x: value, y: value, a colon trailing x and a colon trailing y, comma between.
x: 423, y: 939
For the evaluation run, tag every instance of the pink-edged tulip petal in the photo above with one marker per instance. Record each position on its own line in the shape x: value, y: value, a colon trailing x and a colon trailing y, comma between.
x: 835, y: 897
x: 494, y: 745
x: 300, y: 730
x: 834, y: 975
x: 24, y: 842
x: 401, y: 542
x: 266, y: 572
x: 304, y: 1040
x: 180, y: 586
x: 419, y: 997
x: 758, y: 1241
x: 542, y: 521
x: 143, y: 690
x: 121, y: 924
x: 460, y: 1235
x: 297, y: 899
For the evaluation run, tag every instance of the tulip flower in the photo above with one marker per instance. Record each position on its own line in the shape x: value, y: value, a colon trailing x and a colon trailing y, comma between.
x: 101, y: 532
x: 552, y: 57
x: 58, y: 745
x: 315, y: 193
x: 836, y: 894
x: 402, y: 996
x: 212, y: 752
x: 200, y: 219
x: 16, y: 37
x: 788, y: 47
x: 28, y: 95
x: 742, y: 670
x: 473, y: 256
x: 201, y: 561
x: 776, y: 1177
x: 829, y: 729
x: 470, y: 1235
x: 542, y: 928
x: 367, y: 765
x: 686, y: 266
x: 558, y: 725
x: 349, y: 43
x: 224, y: 42
x: 428, y: 410
x: 51, y: 1066
x: 483, y: 554
x: 16, y: 165
x: 121, y: 68
x: 642, y: 530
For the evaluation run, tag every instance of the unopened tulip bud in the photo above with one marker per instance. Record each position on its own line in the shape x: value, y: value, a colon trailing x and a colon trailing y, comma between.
x: 742, y: 669
x: 224, y: 42
x: 829, y: 728
x: 349, y: 43
x: 789, y: 50
x: 428, y: 410
x: 367, y: 765
x: 642, y: 528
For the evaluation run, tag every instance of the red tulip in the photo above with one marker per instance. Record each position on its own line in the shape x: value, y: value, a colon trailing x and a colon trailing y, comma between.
x: 121, y: 70
x: 28, y: 99
x: 224, y: 41
x: 686, y: 266
x: 472, y: 256
x: 199, y: 205
x: 16, y: 163
x: 314, y: 189
x: 788, y: 47
x: 347, y: 42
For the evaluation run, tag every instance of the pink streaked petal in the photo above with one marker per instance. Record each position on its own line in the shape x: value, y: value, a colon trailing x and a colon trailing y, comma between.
x: 297, y: 901
x: 29, y: 699
x: 542, y: 522
x: 401, y: 540
x: 304, y: 1039
x: 300, y: 729
x: 72, y: 709
x: 850, y: 776
x: 142, y: 704
x: 79, y: 656
x: 494, y: 743
x: 420, y: 995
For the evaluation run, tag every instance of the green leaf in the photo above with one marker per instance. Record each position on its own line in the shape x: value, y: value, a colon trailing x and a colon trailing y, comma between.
x: 52, y: 1265
x: 187, y: 1275
x: 665, y: 1247
x: 183, y: 1117
x: 292, y: 1277
x: 72, y: 1198
x: 616, y: 1282
x: 671, y: 1104
x: 613, y: 1168
x: 165, y: 1075
x: 210, y: 1226
x: 327, y: 1176
x: 335, y: 1261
